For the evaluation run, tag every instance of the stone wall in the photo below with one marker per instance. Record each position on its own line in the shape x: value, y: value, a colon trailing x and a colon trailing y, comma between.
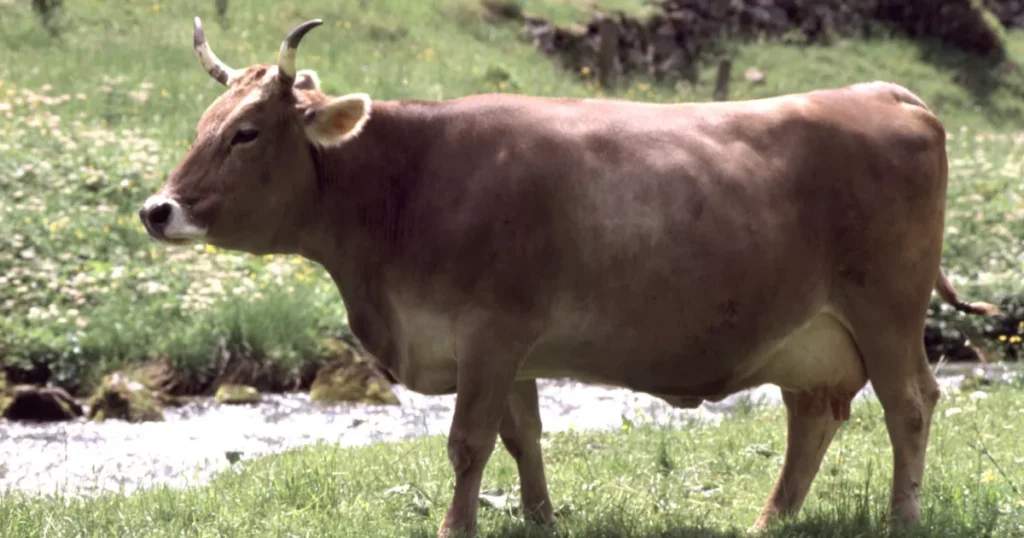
x: 1009, y: 12
x: 670, y: 42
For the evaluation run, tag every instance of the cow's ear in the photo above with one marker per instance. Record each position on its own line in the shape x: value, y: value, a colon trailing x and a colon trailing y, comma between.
x: 337, y: 120
x: 307, y: 79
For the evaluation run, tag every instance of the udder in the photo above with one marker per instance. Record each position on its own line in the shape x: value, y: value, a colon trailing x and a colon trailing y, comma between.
x: 819, y: 363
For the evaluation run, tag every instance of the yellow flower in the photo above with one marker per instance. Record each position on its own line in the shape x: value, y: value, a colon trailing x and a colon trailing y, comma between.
x: 1002, y: 337
x: 210, y: 249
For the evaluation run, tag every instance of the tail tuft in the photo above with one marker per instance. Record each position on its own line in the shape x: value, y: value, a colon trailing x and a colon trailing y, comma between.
x: 948, y: 294
x: 978, y: 308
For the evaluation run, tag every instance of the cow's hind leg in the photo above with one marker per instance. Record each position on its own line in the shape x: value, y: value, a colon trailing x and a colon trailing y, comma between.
x: 813, y: 417
x: 820, y: 370
x: 887, y: 321
x: 520, y: 432
x: 908, y: 391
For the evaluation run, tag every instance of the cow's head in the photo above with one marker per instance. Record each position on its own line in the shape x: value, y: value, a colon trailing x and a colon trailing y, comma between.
x: 252, y: 171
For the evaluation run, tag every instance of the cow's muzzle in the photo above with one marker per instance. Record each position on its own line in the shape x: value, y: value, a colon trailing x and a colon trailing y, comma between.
x: 167, y: 221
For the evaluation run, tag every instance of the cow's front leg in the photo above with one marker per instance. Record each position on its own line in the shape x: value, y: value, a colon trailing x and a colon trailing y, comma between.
x: 488, y: 358
x: 520, y: 432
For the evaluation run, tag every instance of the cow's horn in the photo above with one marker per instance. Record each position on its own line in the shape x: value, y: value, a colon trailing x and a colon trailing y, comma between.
x: 217, y: 69
x: 286, y: 57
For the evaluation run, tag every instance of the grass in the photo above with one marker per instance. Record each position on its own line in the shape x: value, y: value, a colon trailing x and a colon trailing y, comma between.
x: 645, y: 481
x: 92, y: 120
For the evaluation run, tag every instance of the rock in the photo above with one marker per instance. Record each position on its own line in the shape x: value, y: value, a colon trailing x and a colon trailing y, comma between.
x: 754, y: 75
x: 121, y: 398
x: 350, y: 377
x: 25, y: 372
x: 38, y: 404
x: 236, y: 394
x: 163, y: 381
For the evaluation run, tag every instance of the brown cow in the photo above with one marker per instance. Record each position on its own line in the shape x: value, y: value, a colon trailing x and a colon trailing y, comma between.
x: 688, y: 251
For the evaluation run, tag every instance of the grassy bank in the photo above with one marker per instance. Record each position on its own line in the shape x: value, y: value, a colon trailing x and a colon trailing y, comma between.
x: 643, y: 481
x: 92, y: 120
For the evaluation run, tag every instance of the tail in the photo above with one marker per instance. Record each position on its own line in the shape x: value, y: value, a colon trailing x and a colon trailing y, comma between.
x: 948, y: 294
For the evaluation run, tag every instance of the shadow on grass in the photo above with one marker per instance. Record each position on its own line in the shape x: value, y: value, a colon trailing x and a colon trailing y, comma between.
x: 858, y: 521
x: 983, y: 77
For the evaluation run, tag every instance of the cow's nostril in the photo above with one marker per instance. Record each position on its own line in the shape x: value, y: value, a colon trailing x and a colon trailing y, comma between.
x: 159, y: 215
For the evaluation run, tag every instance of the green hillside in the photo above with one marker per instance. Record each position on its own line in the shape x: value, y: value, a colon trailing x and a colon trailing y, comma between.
x: 92, y: 120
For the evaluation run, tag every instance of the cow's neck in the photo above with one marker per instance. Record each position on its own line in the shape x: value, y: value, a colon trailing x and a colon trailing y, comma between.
x: 357, y: 227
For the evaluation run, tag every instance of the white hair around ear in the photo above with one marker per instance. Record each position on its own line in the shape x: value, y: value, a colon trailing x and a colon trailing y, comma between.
x: 337, y: 120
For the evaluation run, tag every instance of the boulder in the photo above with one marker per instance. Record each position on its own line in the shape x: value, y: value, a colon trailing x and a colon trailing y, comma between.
x: 229, y: 393
x: 38, y: 404
x: 350, y: 377
x: 119, y: 397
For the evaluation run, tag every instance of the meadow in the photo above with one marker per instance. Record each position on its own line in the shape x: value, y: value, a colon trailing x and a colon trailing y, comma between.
x: 93, y: 119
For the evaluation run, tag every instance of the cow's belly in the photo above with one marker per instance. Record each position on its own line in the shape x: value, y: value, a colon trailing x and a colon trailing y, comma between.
x: 819, y: 355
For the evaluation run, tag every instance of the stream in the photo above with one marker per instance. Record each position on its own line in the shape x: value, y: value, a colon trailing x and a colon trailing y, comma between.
x: 82, y: 457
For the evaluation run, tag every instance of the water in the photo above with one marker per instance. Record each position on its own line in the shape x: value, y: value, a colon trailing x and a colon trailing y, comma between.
x: 83, y: 457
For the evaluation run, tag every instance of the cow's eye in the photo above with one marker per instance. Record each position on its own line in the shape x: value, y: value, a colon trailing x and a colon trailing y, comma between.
x: 244, y: 136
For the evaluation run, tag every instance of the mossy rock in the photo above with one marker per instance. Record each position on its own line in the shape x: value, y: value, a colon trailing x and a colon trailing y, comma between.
x: 350, y: 377
x: 5, y: 397
x: 38, y: 404
x: 229, y: 393
x: 121, y: 398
